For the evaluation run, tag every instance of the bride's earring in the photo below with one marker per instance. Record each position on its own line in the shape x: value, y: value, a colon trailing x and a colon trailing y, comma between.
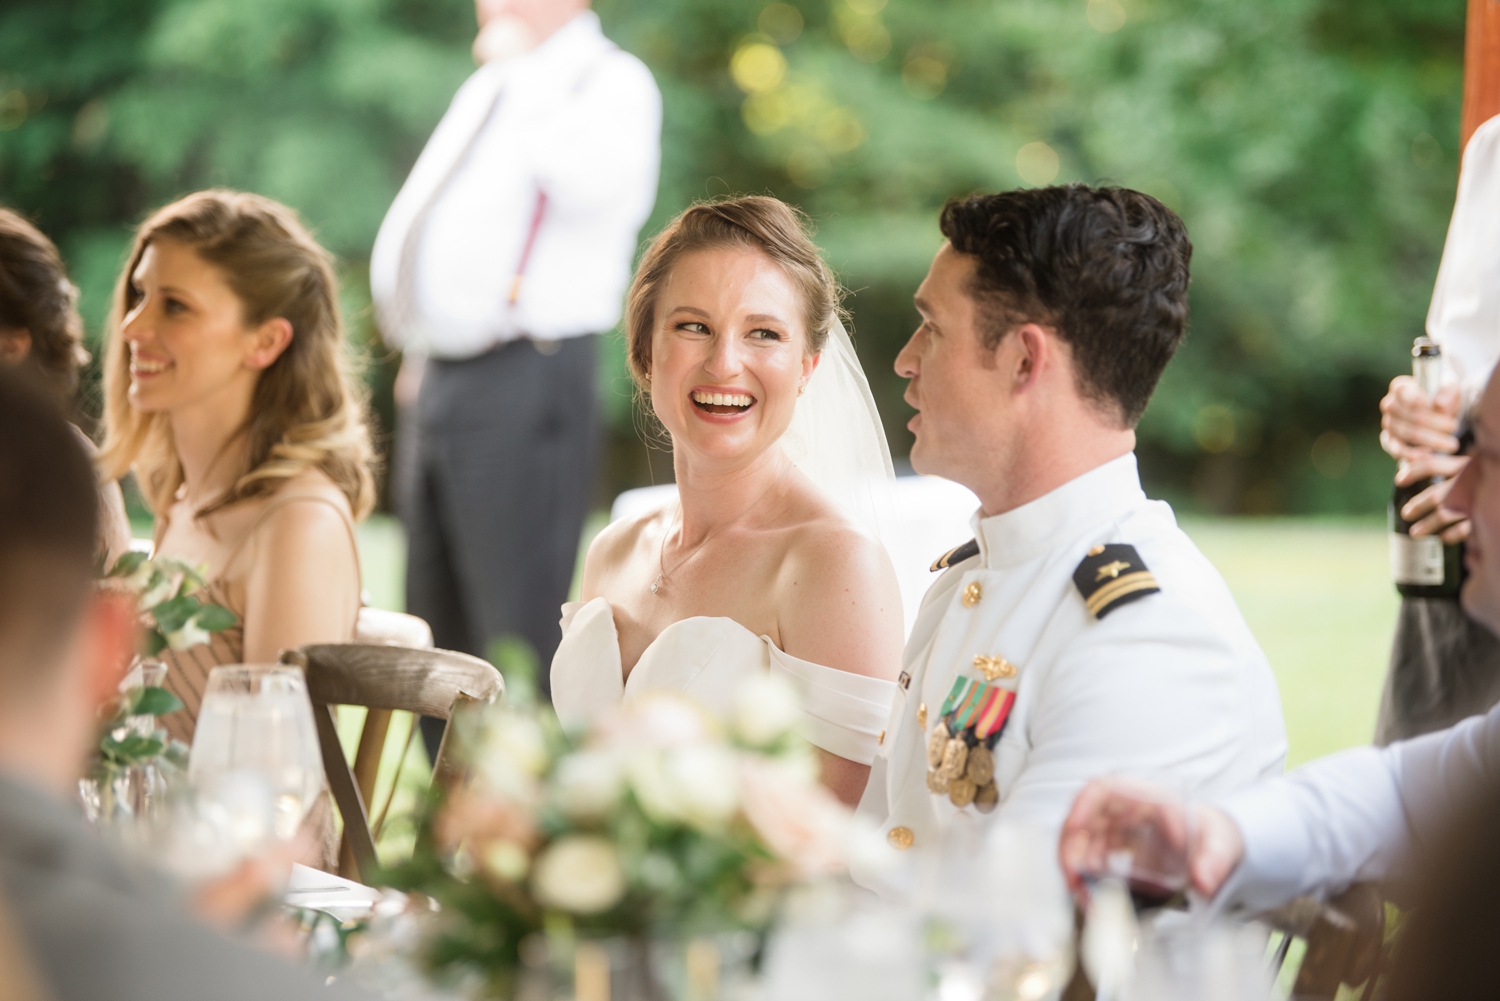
x: 801, y: 388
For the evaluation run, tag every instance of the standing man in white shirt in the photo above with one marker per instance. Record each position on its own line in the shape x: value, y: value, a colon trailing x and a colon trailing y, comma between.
x: 508, y: 247
x: 1444, y: 666
x: 1081, y: 631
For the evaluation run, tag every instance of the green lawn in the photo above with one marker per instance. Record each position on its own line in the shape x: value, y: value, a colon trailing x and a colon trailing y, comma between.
x: 1316, y: 592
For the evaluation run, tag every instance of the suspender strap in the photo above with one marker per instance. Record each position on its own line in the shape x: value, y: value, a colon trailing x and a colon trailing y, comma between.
x: 536, y: 225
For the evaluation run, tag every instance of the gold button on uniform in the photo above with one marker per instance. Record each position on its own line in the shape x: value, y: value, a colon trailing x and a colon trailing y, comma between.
x: 972, y: 593
x: 901, y: 838
x: 1096, y: 550
x: 922, y: 715
x: 880, y: 740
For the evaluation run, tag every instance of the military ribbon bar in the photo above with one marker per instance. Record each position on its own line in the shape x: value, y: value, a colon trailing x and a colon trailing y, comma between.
x: 994, y: 712
x: 956, y: 694
x: 968, y: 706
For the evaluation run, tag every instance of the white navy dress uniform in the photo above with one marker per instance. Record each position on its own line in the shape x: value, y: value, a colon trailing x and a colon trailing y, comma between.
x: 1143, y: 667
x: 1359, y: 815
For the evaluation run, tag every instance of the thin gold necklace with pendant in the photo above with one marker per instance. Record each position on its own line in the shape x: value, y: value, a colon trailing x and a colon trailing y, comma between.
x: 661, y: 555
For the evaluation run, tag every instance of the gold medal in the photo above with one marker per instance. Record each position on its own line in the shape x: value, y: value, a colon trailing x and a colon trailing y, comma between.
x: 955, y: 757
x: 981, y: 766
x: 961, y: 792
x: 935, y: 745
x: 986, y: 796
x: 937, y: 784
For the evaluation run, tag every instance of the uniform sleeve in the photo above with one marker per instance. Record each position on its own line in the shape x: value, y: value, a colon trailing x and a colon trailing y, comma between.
x: 1356, y: 815
x: 1152, y: 691
x: 605, y: 150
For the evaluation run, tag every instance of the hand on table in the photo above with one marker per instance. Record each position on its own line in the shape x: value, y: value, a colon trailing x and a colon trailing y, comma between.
x: 228, y: 902
x: 1114, y: 814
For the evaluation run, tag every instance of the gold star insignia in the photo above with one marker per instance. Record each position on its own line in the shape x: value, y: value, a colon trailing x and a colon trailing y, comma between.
x: 972, y: 593
x: 1112, y: 570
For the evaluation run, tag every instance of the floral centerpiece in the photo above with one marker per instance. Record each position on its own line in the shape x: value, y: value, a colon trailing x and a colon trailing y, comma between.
x: 659, y: 822
x: 134, y: 753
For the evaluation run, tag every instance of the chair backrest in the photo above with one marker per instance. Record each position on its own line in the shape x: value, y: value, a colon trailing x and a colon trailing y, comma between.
x: 1345, y: 941
x: 382, y: 677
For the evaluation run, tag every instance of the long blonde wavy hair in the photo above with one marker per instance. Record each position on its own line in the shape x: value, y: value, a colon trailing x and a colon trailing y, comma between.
x: 305, y: 413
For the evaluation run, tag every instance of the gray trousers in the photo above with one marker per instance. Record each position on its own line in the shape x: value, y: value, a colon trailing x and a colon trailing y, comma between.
x: 1444, y: 668
x: 497, y: 481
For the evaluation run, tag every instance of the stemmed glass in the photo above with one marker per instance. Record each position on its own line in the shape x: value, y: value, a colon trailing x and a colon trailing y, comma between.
x: 255, y: 765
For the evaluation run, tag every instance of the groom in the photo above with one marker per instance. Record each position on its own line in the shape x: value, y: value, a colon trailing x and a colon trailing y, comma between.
x: 1080, y: 632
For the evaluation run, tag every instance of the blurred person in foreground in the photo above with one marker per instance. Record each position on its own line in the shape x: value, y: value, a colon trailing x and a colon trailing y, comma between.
x: 509, y: 246
x: 1444, y: 665
x: 1081, y: 629
x: 225, y: 390
x: 41, y: 332
x: 1360, y: 815
x: 95, y: 926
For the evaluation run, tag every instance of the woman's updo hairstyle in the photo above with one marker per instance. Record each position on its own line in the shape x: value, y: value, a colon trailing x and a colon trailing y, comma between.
x: 758, y: 222
x: 36, y: 296
x: 305, y: 413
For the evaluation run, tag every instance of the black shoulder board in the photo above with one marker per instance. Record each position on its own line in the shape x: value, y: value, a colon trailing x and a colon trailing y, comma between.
x: 956, y: 555
x: 1111, y: 576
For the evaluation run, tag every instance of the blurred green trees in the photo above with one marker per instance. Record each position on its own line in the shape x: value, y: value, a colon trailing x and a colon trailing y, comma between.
x: 1311, y: 146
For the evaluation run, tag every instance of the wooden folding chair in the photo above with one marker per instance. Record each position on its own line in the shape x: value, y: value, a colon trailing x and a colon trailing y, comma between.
x: 1345, y: 941
x: 424, y: 682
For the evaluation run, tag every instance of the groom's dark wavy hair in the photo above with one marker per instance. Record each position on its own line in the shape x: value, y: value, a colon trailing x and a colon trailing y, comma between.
x: 1107, y: 268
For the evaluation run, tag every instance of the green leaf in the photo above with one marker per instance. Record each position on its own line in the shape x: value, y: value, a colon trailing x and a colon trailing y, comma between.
x: 174, y: 614
x: 127, y: 564
x: 155, y: 701
x: 215, y: 618
x: 153, y: 643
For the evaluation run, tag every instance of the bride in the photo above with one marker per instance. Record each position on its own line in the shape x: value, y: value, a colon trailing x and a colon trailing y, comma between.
x: 731, y: 318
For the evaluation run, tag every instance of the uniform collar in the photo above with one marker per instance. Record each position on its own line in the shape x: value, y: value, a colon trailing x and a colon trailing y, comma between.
x: 1057, y: 518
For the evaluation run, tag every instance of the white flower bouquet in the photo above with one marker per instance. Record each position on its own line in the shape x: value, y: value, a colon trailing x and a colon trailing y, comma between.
x: 660, y: 822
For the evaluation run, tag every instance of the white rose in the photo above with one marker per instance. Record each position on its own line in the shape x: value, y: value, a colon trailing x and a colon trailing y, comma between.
x: 587, y: 785
x: 765, y: 708
x: 657, y: 719
x: 513, y: 754
x: 705, y: 786
x: 505, y: 859
x: 188, y: 635
x: 654, y: 788
x: 580, y: 874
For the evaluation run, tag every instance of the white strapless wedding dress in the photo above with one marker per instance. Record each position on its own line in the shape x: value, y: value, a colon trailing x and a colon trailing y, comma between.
x: 705, y: 658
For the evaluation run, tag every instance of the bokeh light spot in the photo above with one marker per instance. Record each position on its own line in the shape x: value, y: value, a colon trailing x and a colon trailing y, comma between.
x: 1213, y: 428
x: 767, y: 112
x: 924, y: 76
x: 1106, y: 15
x: 757, y: 67
x: 1037, y: 163
x: 781, y: 21
x: 869, y: 41
x: 867, y: 7
x: 840, y: 131
x: 13, y: 109
x: 1331, y: 455
x: 808, y: 167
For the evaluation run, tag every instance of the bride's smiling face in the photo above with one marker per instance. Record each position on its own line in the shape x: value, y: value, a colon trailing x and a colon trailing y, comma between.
x: 728, y: 353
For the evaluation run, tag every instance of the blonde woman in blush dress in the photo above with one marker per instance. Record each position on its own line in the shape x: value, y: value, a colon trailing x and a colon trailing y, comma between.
x: 226, y: 393
x: 731, y: 317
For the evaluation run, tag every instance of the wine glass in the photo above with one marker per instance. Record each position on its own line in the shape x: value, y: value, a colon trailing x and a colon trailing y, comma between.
x: 255, y: 764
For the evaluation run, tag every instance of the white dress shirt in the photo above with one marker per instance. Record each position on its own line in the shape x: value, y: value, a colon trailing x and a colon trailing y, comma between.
x: 1464, y: 317
x: 1172, y: 685
x: 1357, y: 815
x: 576, y: 119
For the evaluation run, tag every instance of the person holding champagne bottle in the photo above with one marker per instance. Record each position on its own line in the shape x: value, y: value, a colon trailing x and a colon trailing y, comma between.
x: 1443, y: 666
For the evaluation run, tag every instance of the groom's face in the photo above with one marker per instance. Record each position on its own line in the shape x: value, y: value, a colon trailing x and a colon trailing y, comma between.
x: 955, y: 385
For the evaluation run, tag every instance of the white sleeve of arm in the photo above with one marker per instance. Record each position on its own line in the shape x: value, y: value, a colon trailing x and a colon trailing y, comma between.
x: 1164, y: 706
x: 1356, y: 815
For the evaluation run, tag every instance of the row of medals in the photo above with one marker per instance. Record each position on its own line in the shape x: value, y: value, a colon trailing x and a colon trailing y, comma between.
x: 966, y: 774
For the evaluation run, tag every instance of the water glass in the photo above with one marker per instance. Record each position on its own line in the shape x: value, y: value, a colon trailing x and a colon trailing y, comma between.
x: 255, y: 765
